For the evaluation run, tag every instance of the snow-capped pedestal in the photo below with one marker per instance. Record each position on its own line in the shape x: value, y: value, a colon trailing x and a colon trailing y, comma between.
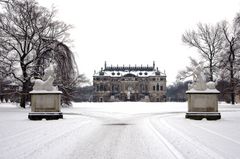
x: 202, y: 98
x: 203, y: 104
x: 45, y: 104
x: 45, y: 99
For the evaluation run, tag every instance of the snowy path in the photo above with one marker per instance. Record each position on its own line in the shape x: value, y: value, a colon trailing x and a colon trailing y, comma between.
x: 120, y: 131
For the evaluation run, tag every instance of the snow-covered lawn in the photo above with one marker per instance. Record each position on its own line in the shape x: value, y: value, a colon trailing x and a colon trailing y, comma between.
x: 119, y: 130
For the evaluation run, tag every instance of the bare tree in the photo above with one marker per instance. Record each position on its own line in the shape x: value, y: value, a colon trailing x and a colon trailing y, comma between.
x: 208, y: 40
x: 28, y: 32
x: 229, y: 61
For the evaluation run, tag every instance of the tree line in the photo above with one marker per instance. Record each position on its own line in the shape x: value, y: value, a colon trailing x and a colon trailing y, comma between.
x: 31, y: 38
x: 219, y: 48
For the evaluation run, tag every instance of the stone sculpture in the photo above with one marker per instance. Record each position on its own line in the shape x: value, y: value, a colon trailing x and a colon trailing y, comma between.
x: 199, y: 81
x: 45, y: 98
x: 47, y: 83
x: 202, y: 98
x: 211, y: 85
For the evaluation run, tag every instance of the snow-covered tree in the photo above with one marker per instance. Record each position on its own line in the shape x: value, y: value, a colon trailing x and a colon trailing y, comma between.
x: 30, y: 38
x: 208, y: 41
x: 230, y: 57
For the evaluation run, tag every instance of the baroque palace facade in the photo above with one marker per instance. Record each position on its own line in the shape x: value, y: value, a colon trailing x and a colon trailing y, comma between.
x: 129, y: 83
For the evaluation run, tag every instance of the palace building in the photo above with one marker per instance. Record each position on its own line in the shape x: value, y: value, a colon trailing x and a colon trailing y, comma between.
x: 129, y: 83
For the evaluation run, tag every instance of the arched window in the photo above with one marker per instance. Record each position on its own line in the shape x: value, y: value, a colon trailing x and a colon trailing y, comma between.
x: 117, y: 88
x: 158, y: 87
x: 113, y: 88
x: 161, y: 88
x: 97, y: 88
x: 154, y: 88
x: 101, y: 87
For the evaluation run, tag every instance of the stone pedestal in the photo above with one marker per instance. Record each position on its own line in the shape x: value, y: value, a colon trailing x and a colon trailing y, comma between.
x: 45, y: 104
x: 203, y: 104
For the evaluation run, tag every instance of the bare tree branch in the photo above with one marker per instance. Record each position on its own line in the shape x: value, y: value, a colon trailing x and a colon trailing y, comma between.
x: 208, y: 40
x: 31, y: 38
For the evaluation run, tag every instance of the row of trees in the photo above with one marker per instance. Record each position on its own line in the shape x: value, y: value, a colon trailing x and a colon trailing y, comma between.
x: 177, y: 91
x: 30, y: 39
x: 219, y: 47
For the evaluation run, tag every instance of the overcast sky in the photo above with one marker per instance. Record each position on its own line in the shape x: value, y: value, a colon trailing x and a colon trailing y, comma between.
x: 137, y: 31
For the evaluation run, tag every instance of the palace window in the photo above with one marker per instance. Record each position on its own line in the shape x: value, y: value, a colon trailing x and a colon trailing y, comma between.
x: 105, y: 88
x: 101, y: 87
x: 161, y: 88
x: 154, y: 88
x: 115, y: 88
x: 97, y: 87
x: 158, y: 87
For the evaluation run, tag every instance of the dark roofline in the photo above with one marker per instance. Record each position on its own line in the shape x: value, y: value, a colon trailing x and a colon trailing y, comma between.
x: 123, y: 68
x: 129, y: 68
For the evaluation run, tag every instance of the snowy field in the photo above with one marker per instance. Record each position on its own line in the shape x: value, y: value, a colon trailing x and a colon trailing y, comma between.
x: 119, y: 131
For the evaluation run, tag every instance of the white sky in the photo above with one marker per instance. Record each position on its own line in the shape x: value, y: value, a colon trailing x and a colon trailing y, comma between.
x: 137, y: 31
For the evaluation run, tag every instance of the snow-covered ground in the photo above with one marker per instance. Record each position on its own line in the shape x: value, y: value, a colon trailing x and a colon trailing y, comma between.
x: 119, y: 131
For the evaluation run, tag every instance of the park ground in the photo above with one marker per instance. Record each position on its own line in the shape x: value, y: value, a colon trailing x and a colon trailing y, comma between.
x: 119, y: 131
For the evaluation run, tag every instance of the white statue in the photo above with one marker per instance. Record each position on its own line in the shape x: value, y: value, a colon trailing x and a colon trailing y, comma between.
x: 211, y: 85
x: 199, y: 80
x: 49, y: 71
x: 128, y: 95
x: 47, y: 83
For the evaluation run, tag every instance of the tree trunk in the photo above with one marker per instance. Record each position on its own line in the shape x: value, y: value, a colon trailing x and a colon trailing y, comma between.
x: 23, y: 95
x: 232, y: 83
x: 211, y: 71
x: 24, y: 91
x: 233, y: 98
x: 232, y: 90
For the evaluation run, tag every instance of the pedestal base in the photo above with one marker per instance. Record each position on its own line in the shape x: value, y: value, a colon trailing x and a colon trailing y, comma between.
x: 45, y: 115
x: 201, y: 115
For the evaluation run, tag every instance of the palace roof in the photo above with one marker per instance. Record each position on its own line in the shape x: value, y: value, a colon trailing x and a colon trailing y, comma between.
x: 139, y: 71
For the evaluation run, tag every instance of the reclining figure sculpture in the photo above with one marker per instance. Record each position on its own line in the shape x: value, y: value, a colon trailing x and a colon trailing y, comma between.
x: 199, y: 80
x: 47, y: 83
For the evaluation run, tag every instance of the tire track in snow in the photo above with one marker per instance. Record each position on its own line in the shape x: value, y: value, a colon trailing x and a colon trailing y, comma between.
x: 39, y: 140
x: 196, y: 148
x: 50, y: 139
x: 21, y: 133
x: 170, y: 146
x: 217, y: 134
x: 54, y: 145
x: 31, y: 130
